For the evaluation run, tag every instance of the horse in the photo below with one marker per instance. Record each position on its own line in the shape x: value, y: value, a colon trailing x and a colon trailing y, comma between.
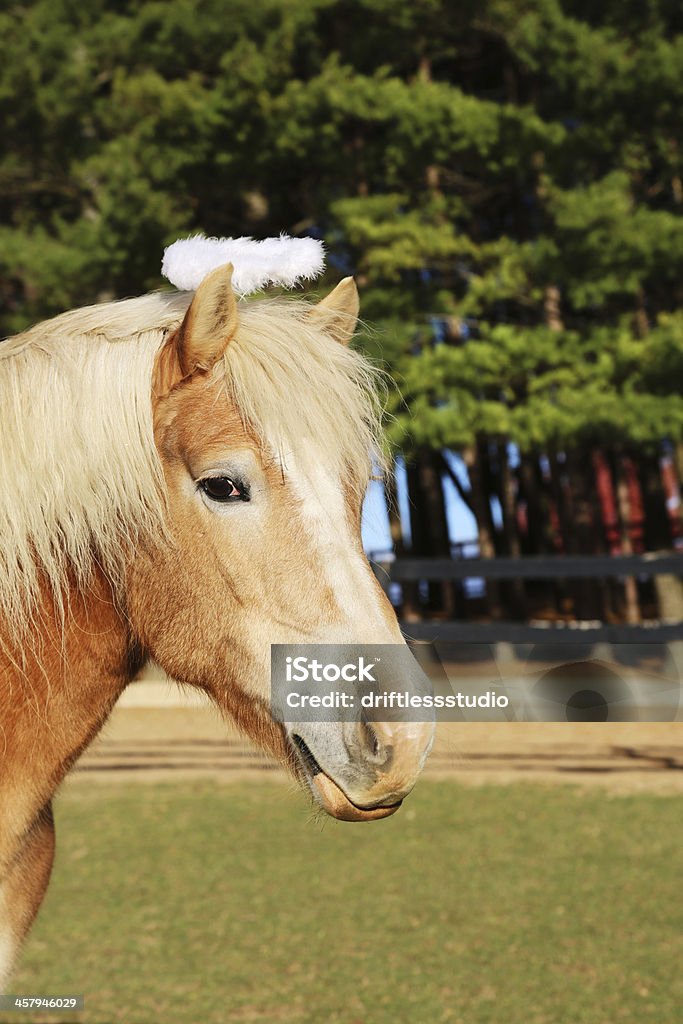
x: 182, y: 479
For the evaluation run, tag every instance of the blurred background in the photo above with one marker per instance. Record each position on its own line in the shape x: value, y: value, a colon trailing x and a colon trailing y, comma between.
x: 504, y: 178
x: 505, y: 181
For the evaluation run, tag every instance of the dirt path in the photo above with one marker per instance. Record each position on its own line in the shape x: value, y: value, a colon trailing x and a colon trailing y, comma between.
x: 156, y: 735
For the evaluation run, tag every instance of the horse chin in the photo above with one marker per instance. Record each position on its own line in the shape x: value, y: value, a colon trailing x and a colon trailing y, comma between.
x: 331, y: 796
x: 338, y: 805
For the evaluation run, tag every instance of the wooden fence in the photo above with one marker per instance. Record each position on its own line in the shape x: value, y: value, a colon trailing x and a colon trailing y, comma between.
x: 536, y: 567
x: 556, y: 568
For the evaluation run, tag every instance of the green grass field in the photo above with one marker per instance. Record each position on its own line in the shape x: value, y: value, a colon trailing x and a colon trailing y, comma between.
x: 199, y: 903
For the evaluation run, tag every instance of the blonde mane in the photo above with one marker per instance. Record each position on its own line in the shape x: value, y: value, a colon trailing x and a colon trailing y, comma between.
x: 81, y: 476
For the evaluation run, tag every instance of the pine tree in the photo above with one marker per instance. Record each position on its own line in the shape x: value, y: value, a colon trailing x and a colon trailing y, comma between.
x: 504, y: 178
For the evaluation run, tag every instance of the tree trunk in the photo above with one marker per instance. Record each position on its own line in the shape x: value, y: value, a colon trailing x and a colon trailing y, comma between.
x: 536, y: 542
x: 508, y: 500
x: 482, y: 513
x: 679, y: 472
x: 658, y: 524
x: 429, y: 525
x: 593, y: 602
x: 410, y: 606
x: 625, y: 523
x: 552, y: 308
x: 607, y: 532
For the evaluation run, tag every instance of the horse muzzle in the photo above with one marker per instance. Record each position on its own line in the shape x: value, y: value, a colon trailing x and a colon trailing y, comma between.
x: 361, y: 771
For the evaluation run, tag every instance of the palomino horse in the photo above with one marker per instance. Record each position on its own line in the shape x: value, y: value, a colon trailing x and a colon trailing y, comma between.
x: 182, y: 478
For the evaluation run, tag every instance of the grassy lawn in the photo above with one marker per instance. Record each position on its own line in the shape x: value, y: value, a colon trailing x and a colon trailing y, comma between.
x: 199, y: 903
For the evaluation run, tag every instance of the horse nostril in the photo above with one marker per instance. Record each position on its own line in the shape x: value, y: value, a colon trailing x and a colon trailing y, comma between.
x: 371, y: 743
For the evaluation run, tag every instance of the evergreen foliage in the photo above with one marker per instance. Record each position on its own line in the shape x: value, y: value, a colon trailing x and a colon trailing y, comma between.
x: 504, y: 177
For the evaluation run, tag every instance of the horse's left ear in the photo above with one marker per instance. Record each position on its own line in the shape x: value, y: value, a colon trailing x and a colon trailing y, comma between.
x: 203, y: 336
x: 338, y: 311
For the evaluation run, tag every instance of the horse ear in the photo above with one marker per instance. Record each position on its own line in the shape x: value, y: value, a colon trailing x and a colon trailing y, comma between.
x: 338, y: 311
x: 203, y: 336
x: 210, y: 322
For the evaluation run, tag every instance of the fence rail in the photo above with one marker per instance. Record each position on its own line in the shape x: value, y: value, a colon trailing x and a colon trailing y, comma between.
x: 536, y: 567
x: 523, y: 633
x: 550, y: 567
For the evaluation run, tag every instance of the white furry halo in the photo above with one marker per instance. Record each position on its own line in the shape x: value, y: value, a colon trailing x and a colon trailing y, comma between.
x: 279, y: 261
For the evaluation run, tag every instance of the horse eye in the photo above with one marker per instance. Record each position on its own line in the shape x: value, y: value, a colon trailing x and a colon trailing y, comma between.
x: 222, y: 488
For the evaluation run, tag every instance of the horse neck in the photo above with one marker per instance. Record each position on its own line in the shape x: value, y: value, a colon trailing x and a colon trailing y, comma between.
x: 55, y: 696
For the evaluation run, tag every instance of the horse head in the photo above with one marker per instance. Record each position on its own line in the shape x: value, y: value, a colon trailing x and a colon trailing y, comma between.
x: 265, y: 421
